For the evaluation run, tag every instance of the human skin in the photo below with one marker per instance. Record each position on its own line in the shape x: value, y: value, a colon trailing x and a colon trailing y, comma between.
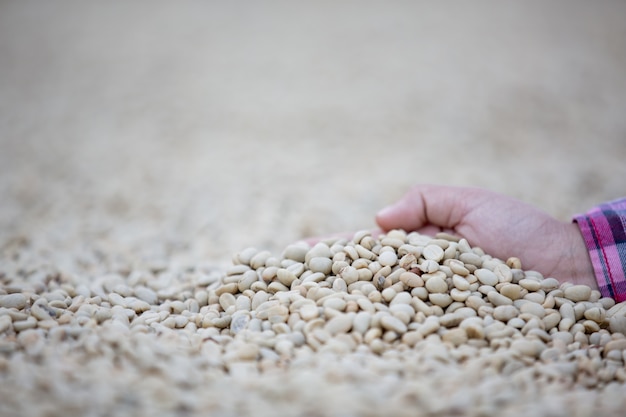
x: 502, y: 226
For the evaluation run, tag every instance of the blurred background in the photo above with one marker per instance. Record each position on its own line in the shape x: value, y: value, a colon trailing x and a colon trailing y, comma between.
x: 191, y: 130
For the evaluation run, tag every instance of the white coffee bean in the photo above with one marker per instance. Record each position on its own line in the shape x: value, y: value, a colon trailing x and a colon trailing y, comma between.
x: 486, y: 277
x: 433, y: 253
x: 577, y: 292
x: 436, y: 284
x: 392, y: 323
x: 17, y: 301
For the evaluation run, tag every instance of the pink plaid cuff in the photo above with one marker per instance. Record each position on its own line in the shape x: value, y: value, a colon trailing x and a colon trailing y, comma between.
x: 604, y: 231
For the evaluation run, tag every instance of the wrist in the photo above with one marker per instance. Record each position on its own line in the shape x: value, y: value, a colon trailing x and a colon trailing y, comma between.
x: 575, y: 265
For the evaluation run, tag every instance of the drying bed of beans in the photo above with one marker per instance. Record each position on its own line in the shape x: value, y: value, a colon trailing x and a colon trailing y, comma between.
x: 398, y: 324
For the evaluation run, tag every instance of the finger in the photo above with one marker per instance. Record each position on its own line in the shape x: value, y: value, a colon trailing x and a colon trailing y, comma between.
x: 424, y: 205
x: 429, y: 230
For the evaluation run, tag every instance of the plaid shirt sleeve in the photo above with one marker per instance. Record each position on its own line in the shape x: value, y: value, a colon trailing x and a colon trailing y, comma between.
x: 604, y: 231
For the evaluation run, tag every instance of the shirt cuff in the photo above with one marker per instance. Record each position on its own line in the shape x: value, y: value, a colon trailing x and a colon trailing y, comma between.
x: 604, y: 231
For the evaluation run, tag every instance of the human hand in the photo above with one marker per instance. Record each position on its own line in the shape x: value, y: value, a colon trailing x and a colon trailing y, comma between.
x: 500, y: 225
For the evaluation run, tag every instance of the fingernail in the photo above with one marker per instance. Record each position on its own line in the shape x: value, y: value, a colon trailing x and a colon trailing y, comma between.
x: 387, y: 211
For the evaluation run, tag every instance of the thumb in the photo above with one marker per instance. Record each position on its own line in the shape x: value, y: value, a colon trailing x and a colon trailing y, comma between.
x: 424, y: 205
